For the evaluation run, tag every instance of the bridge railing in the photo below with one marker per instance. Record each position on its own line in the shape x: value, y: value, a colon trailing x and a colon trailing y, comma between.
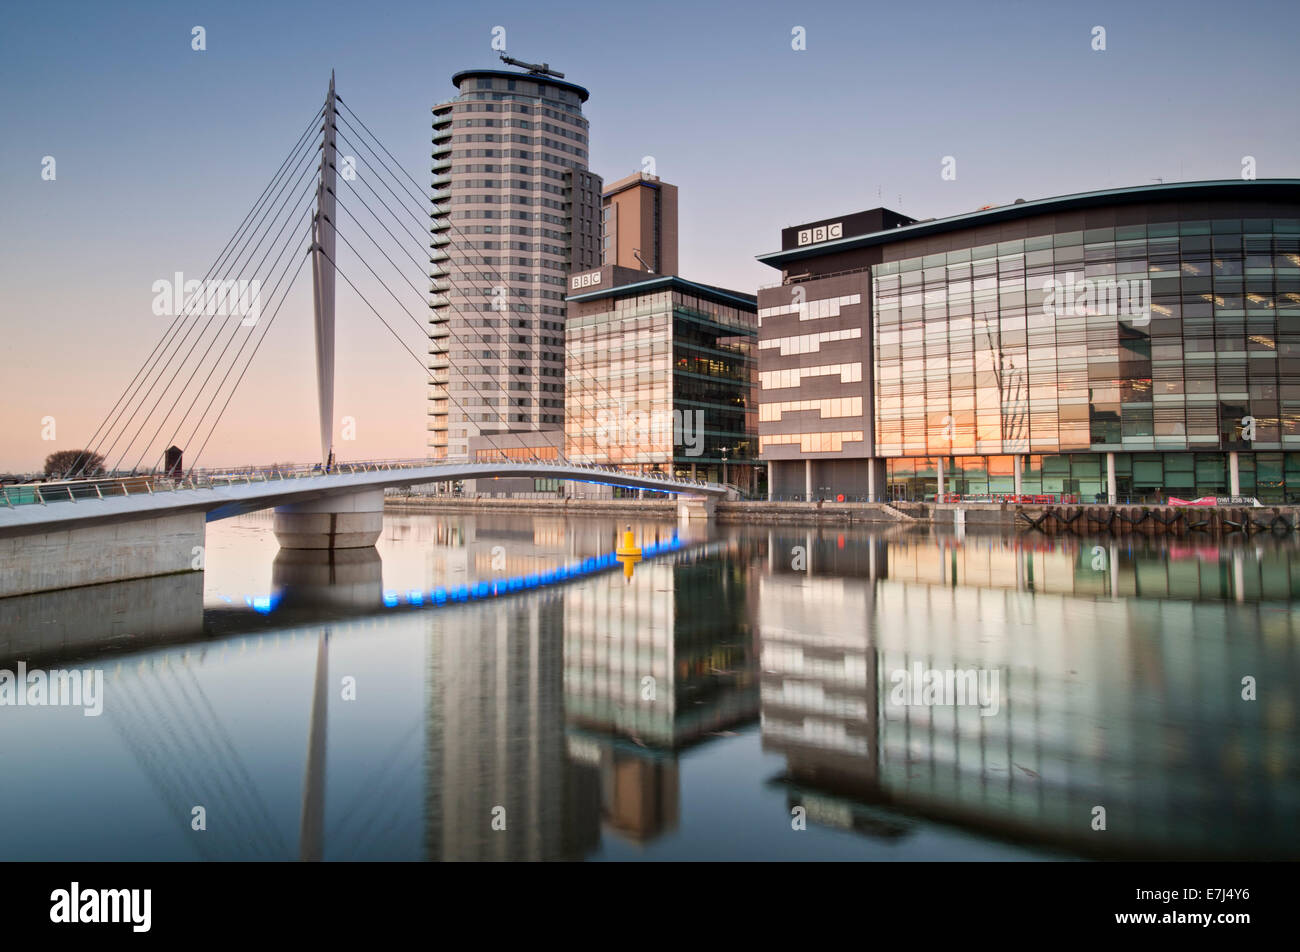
x: 71, y: 490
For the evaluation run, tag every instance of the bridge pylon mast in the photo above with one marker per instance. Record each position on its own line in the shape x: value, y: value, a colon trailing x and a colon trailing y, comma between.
x: 322, y: 262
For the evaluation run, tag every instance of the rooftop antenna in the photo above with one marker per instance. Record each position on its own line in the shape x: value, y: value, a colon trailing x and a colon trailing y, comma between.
x: 537, y: 69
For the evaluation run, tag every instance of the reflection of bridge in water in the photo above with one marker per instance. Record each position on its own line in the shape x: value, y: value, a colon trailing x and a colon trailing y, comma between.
x: 164, y: 712
x: 537, y: 702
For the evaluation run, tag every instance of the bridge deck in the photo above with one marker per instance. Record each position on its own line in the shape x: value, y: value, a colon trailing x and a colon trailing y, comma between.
x: 47, y: 507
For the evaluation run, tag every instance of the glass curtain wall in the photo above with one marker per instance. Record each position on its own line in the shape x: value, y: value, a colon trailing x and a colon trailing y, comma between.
x: 1035, y: 347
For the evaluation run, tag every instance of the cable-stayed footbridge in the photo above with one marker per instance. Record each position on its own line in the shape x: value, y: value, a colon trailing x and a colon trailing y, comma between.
x: 130, y: 508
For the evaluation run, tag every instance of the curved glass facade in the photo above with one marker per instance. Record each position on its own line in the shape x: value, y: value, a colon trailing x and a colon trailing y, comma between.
x: 1169, y: 344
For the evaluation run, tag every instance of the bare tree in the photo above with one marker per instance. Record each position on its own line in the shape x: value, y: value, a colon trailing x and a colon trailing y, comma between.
x: 65, y: 464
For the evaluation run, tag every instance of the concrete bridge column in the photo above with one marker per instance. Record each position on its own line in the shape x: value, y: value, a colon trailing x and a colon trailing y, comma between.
x: 807, y: 480
x: 1112, y: 494
x: 1017, y: 466
x: 940, y: 465
x: 1234, y: 474
x: 695, y: 507
x: 339, y: 522
x: 871, y: 478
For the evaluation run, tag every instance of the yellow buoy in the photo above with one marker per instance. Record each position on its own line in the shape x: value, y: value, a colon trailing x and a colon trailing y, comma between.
x: 629, y: 553
x: 629, y: 548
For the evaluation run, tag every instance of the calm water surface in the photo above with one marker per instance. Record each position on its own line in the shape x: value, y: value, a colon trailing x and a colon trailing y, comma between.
x: 741, y: 683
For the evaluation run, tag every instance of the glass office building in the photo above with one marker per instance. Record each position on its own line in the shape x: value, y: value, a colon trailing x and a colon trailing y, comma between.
x: 1133, y: 343
x: 660, y: 376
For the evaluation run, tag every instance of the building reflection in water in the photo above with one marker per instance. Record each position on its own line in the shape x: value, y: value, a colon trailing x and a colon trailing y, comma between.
x: 1131, y: 703
x: 538, y: 704
x: 570, y: 709
x: 567, y: 711
x: 1118, y: 667
x: 495, y: 736
x: 651, y: 670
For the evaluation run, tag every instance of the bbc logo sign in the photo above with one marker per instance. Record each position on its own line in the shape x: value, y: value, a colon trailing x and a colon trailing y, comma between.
x: 810, y: 236
x: 586, y: 280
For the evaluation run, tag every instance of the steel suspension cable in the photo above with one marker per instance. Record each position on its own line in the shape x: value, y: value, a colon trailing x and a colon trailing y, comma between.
x: 413, y: 318
x: 146, y: 367
x: 248, y: 364
x: 203, y: 328
x: 466, y: 251
x: 397, y: 336
x: 230, y: 340
x: 504, y: 339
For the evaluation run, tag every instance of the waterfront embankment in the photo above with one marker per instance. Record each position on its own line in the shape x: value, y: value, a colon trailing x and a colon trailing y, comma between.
x: 1154, y: 520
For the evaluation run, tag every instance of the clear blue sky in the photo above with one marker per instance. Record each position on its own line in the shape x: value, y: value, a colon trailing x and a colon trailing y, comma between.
x: 161, y: 149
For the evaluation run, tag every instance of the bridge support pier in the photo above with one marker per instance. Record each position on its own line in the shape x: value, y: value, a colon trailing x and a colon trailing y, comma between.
x: 690, y: 508
x: 343, y: 578
x: 339, y: 522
